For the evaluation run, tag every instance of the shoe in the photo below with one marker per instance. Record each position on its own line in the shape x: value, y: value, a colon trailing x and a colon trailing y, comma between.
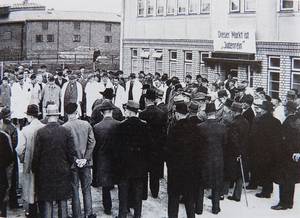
x: 94, y: 215
x: 263, y: 195
x: 279, y: 207
x: 251, y: 187
x: 233, y: 199
x: 221, y: 197
x: 216, y: 210
x: 107, y: 212
x: 199, y: 211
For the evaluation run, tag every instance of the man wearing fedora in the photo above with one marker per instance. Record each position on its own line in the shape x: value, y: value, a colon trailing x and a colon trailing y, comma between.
x: 193, y: 108
x: 84, y: 142
x: 51, y: 165
x: 25, y: 151
x: 234, y: 149
x: 104, y: 174
x: 132, y: 165
x: 12, y: 131
x: 265, y: 138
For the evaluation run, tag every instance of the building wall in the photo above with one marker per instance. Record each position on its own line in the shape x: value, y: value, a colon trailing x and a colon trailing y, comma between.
x: 11, y: 41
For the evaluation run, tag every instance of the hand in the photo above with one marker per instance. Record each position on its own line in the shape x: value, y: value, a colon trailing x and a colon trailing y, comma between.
x: 296, y: 157
x: 81, y: 162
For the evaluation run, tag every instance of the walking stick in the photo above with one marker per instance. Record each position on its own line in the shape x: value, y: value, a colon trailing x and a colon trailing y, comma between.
x: 243, y: 177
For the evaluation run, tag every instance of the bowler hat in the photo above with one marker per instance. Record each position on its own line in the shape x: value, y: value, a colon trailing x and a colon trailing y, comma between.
x: 210, y: 108
x: 106, y: 105
x: 181, y: 108
x: 32, y: 110
x: 5, y: 113
x: 193, y: 107
x: 71, y: 108
x: 108, y: 93
x: 52, y: 110
x: 237, y: 107
x: 132, y: 106
x: 150, y: 94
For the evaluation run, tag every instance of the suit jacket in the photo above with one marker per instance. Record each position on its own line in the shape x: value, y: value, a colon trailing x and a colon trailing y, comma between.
x: 79, y: 97
x: 136, y: 90
x: 6, y: 152
x: 60, y: 84
x: 249, y: 115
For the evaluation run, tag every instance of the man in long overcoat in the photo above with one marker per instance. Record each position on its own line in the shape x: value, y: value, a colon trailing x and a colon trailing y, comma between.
x: 265, y: 139
x: 182, y: 156
x: 288, y: 171
x: 54, y: 154
x: 104, y: 174
x: 25, y: 151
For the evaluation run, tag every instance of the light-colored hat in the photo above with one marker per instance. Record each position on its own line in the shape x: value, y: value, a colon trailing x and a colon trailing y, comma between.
x: 52, y: 110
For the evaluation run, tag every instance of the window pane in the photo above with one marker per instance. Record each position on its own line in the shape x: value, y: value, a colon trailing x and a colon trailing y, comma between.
x: 150, y: 7
x: 188, y: 69
x: 77, y: 25
x: 45, y: 25
x: 234, y: 5
x: 287, y: 4
x: 274, y: 94
x: 39, y: 38
x: 173, y: 55
x: 193, y: 6
x: 203, y: 55
x: 134, y: 66
x: 50, y: 38
x: 171, y: 6
x: 274, y: 62
x: 158, y: 66
x: 160, y: 7
x: 141, y: 7
x: 296, y: 78
x: 205, y: 6
x: 188, y: 56
x: 108, y: 27
x: 172, y: 69
x: 134, y: 53
x: 274, y: 86
x: 146, y: 66
x: 250, y: 5
x: 181, y: 6
x: 274, y: 76
x: 296, y: 64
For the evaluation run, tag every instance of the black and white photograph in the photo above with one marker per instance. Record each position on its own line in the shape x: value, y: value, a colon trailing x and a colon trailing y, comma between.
x: 149, y: 108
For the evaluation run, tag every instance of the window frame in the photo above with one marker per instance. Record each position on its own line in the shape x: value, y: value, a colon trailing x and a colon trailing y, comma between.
x: 270, y: 81
x: 41, y: 38
x: 134, y: 60
x: 292, y: 79
x: 109, y: 39
x: 185, y: 56
x: 132, y: 52
x: 269, y: 63
x: 172, y: 73
x: 174, y: 8
x: 146, y: 60
x: 287, y: 9
x: 163, y: 7
x: 76, y: 38
x: 141, y: 9
x: 201, y: 56
x: 185, y: 67
x: 201, y: 8
x: 237, y: 10
x: 185, y: 7
x: 153, y: 7
x: 50, y: 35
x: 197, y: 9
x: 293, y: 64
x: 172, y: 59
x: 249, y: 11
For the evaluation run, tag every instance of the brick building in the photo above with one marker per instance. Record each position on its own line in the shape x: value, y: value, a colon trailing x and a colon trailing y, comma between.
x: 255, y: 40
x: 32, y: 32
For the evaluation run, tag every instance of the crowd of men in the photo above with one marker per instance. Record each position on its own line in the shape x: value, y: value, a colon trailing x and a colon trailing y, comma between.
x: 73, y: 128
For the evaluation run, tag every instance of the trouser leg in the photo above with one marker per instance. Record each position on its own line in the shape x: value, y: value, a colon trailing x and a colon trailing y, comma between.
x: 189, y: 205
x: 267, y: 188
x: 225, y: 190
x: 3, y: 189
x: 123, y: 198
x: 145, y: 188
x: 173, y: 205
x: 32, y: 210
x: 13, y: 199
x: 62, y: 209
x: 154, y: 183
x: 76, y: 208
x: 286, y: 194
x: 199, y: 200
x: 238, y: 189
x: 215, y: 194
x: 106, y: 197
x: 138, y: 197
x: 85, y: 177
x: 46, y: 209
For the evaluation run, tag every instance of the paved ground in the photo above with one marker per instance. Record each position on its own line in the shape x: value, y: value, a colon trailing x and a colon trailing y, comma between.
x: 157, y: 208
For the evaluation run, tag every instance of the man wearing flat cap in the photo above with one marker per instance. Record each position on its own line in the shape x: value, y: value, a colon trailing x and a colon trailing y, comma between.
x: 182, y: 157
x: 265, y: 138
x: 156, y: 124
x: 132, y: 166
x: 25, y: 149
x: 84, y: 141
x: 104, y: 171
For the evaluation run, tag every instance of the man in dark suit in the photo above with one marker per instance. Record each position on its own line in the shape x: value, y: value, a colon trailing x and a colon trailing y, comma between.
x: 60, y: 80
x: 132, y: 150
x: 104, y: 158
x: 154, y: 118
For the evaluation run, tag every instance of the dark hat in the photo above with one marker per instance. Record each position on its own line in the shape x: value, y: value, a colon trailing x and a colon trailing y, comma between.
x: 210, y: 108
x: 108, y: 93
x: 222, y: 93
x: 193, y: 107
x: 265, y: 105
x: 198, y: 77
x: 291, y: 106
x: 5, y: 113
x: 150, y: 94
x: 178, y: 87
x: 291, y: 94
x: 20, y: 76
x: 248, y: 99
x: 60, y: 73
x: 33, y: 76
x: 43, y: 66
x: 105, y: 74
x: 106, y: 105
x: 71, y: 108
x: 32, y: 110
x: 259, y: 89
x: 198, y: 96
x: 181, y: 108
x: 164, y: 77
x: 132, y: 106
x: 228, y: 102
x: 188, y: 76
x: 146, y: 86
x: 159, y: 93
x: 52, y: 110
x: 132, y: 76
x: 204, y: 80
x: 237, y: 107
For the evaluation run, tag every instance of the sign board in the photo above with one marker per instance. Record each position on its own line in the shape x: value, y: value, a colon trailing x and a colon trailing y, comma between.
x: 234, y: 40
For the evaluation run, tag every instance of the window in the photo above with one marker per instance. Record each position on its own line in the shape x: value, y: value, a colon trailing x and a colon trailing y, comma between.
x: 76, y: 25
x: 273, y: 84
x: 76, y: 38
x: 134, y: 53
x: 173, y: 55
x: 287, y: 4
x: 6, y: 35
x: 188, y: 56
x: 205, y: 6
x: 158, y: 55
x: 234, y: 6
x: 250, y: 76
x: 50, y: 38
x: 160, y: 7
x: 274, y: 62
x: 172, y: 69
x: 193, y: 6
x: 145, y: 57
x: 188, y: 65
x: 203, y: 68
x: 171, y: 5
x: 44, y: 25
x: 108, y: 27
x: 146, y: 66
x: 141, y: 7
x: 134, y: 66
x: 150, y: 7
x: 202, y: 56
x: 181, y: 6
x: 250, y: 5
x: 107, y: 39
x: 296, y: 74
x: 39, y: 38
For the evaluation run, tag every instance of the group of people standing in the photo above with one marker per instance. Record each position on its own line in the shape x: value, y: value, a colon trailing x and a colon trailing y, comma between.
x: 101, y: 129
